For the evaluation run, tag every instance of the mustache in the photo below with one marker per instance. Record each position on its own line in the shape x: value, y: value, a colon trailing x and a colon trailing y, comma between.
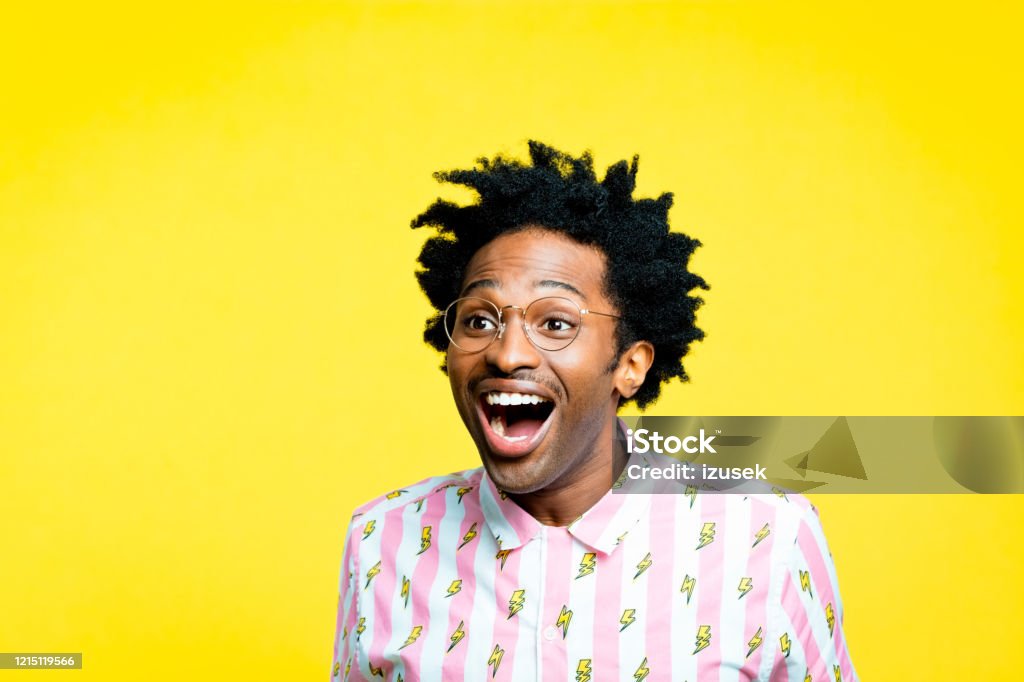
x: 533, y: 377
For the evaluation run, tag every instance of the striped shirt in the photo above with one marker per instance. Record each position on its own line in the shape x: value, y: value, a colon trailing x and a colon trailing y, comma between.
x: 449, y: 580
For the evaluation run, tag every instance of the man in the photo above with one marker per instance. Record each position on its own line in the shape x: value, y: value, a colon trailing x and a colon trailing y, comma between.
x: 559, y: 298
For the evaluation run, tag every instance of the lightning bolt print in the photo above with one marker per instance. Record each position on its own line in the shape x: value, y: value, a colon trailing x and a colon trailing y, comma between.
x: 425, y: 540
x: 780, y: 492
x: 374, y: 570
x: 348, y: 667
x: 703, y: 638
x: 454, y: 588
x: 368, y: 530
x: 457, y: 636
x: 746, y: 585
x: 761, y: 535
x: 691, y: 492
x: 805, y: 582
x: 785, y: 644
x: 395, y: 493
x: 360, y: 626
x: 707, y: 534
x: 835, y: 672
x: 687, y: 588
x: 376, y: 671
x: 642, y: 671
x: 754, y: 642
x: 628, y: 618
x: 583, y: 670
x: 495, y: 659
x: 563, y: 620
x: 337, y: 669
x: 515, y: 602
x: 405, y: 590
x: 462, y: 491
x: 807, y: 675
x: 470, y: 534
x: 502, y: 556
x: 419, y: 505
x: 413, y: 636
x: 587, y: 564
x: 830, y: 617
x: 644, y: 564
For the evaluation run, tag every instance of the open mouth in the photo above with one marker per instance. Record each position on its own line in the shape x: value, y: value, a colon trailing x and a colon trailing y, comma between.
x: 515, y: 422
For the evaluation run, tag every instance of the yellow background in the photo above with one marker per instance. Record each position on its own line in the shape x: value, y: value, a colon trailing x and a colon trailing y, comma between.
x: 210, y: 330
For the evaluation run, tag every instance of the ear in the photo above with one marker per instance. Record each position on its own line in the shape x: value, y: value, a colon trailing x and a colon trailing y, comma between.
x: 632, y: 370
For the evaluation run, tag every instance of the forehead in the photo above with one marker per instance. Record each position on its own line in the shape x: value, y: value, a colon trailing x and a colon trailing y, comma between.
x: 537, y: 258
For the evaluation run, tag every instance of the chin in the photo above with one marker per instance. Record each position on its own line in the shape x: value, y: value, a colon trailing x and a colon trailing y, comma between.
x: 520, y: 476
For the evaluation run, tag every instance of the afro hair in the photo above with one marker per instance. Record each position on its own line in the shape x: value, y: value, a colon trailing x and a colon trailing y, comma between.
x: 647, y: 276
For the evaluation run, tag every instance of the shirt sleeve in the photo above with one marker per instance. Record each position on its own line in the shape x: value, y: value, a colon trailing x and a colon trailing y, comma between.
x: 345, y: 664
x: 812, y: 645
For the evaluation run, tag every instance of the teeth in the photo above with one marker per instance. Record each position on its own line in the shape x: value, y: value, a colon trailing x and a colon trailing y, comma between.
x: 496, y: 398
x: 498, y: 426
x: 502, y: 398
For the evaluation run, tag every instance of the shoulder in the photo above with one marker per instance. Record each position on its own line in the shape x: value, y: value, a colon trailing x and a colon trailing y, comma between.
x: 782, y: 514
x: 416, y: 494
x: 794, y: 526
x: 784, y: 505
x: 785, y: 512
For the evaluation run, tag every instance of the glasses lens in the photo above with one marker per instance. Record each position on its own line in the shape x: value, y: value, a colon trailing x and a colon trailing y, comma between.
x: 553, y: 322
x: 471, y: 323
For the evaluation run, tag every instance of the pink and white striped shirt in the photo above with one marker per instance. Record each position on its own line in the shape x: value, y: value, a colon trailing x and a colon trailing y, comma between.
x: 450, y: 580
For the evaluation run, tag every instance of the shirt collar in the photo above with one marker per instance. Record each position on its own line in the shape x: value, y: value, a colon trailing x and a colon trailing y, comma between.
x: 602, y: 527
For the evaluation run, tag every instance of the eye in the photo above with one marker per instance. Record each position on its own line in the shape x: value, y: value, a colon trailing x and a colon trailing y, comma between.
x: 556, y: 324
x: 479, y: 323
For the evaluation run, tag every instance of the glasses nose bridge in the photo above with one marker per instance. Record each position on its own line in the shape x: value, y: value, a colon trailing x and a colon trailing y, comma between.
x: 502, y: 323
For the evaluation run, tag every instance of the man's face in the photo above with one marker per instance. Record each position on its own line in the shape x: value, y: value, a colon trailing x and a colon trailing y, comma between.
x: 531, y: 447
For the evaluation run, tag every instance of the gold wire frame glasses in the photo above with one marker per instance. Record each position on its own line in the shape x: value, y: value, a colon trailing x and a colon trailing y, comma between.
x: 550, y: 323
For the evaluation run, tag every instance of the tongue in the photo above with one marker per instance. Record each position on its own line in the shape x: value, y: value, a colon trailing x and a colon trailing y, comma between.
x: 523, y: 427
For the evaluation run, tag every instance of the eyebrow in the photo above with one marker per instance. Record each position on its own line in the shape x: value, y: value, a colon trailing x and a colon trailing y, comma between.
x: 548, y: 283
x: 561, y: 285
x: 480, y: 283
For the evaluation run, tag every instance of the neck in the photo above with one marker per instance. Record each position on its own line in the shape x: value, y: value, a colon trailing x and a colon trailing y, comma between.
x: 563, y: 502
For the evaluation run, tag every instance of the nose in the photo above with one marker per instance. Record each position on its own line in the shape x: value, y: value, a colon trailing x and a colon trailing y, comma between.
x: 512, y: 349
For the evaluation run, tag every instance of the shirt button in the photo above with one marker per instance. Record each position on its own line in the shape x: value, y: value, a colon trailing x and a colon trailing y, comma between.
x: 550, y: 632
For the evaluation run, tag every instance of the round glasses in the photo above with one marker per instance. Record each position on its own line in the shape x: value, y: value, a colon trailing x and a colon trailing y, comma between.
x: 551, y: 323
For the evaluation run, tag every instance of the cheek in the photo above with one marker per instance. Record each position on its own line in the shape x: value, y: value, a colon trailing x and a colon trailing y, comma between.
x: 585, y: 380
x: 460, y: 369
x: 454, y: 369
x: 593, y: 350
x: 457, y: 373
